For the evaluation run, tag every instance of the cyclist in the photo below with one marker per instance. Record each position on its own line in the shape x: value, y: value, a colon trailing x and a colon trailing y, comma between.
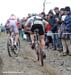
x: 36, y: 22
x: 12, y: 21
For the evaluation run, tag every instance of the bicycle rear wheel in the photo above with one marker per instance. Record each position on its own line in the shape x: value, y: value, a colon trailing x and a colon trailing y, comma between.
x: 9, y: 47
x: 37, y: 51
x: 17, y: 49
x: 41, y: 57
x: 12, y: 51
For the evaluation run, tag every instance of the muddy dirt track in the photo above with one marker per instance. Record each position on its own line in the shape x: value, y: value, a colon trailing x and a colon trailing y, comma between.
x: 27, y: 64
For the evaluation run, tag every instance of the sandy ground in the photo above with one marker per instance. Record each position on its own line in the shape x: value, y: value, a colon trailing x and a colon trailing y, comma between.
x: 26, y: 63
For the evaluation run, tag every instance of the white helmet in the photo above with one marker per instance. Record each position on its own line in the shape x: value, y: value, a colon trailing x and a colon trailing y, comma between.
x: 13, y: 17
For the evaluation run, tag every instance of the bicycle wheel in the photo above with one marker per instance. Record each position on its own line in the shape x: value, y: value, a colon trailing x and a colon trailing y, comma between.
x: 41, y: 57
x: 10, y: 48
x: 37, y: 51
x: 9, y: 44
x: 17, y: 49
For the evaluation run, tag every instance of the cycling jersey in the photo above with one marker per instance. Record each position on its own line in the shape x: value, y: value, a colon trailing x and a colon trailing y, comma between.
x: 35, y: 20
x: 12, y: 21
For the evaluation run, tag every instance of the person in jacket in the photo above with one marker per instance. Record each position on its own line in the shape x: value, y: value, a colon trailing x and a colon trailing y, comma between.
x: 67, y: 36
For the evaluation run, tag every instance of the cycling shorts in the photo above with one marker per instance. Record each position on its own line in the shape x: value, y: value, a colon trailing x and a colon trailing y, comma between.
x: 13, y: 24
x: 39, y: 27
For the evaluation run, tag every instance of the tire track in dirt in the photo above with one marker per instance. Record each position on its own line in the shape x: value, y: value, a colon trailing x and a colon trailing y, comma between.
x: 46, y: 69
x: 25, y: 64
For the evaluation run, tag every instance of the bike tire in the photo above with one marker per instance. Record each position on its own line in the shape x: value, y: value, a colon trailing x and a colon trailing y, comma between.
x: 41, y: 58
x: 8, y: 48
x: 18, y: 48
x: 36, y: 50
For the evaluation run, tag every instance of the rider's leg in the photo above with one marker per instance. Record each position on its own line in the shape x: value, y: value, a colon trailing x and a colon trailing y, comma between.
x: 16, y: 34
x: 41, y: 33
x: 17, y: 37
x: 42, y: 44
x: 32, y: 40
x: 42, y: 41
x: 32, y: 37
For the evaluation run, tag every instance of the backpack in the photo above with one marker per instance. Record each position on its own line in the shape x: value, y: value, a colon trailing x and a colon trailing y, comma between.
x: 37, y: 21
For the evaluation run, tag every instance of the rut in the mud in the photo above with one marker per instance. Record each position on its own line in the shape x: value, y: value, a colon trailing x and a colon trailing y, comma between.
x: 27, y: 64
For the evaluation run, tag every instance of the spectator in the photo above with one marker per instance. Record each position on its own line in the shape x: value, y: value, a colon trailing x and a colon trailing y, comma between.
x: 20, y: 28
x: 23, y: 20
x: 50, y: 19
x: 43, y: 15
x: 66, y: 41
x: 62, y: 35
x: 62, y: 12
x: 48, y: 36
x: 57, y: 21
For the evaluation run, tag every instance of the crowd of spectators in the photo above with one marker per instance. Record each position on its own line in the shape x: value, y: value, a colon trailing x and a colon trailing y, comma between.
x: 57, y: 33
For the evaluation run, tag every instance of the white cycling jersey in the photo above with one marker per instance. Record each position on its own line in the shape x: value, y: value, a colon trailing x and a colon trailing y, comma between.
x: 31, y: 20
x: 12, y: 21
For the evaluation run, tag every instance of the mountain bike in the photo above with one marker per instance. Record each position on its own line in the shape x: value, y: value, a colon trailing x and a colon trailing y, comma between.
x: 38, y: 49
x: 12, y: 49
